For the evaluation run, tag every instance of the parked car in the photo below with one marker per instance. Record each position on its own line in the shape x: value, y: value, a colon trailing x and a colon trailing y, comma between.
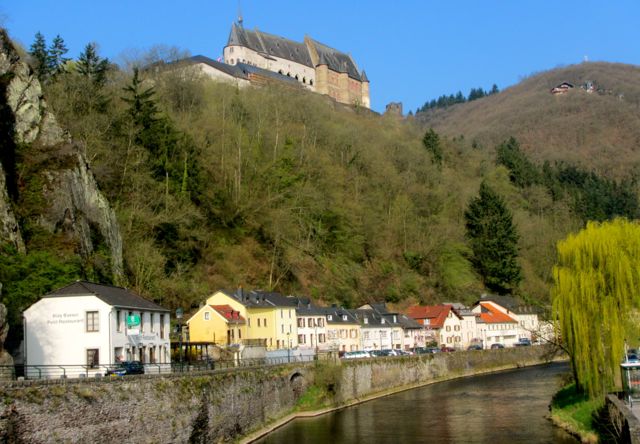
x: 497, y: 345
x: 523, y: 342
x: 126, y: 368
x: 403, y: 352
x: 475, y: 347
x: 356, y: 354
x: 632, y: 358
x: 447, y: 349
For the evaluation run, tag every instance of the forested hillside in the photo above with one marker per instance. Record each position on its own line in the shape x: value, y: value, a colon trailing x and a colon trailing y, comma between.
x: 598, y: 131
x: 280, y: 189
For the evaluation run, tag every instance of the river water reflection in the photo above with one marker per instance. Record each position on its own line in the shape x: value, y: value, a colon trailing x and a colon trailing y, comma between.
x: 505, y: 407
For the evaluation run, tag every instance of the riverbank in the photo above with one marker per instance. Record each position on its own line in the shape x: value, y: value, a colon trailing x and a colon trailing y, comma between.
x: 574, y: 413
x: 269, y: 428
x: 219, y: 406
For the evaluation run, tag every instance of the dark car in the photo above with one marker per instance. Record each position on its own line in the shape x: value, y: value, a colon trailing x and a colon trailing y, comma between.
x: 447, y: 349
x: 523, y: 342
x: 127, y: 368
x: 497, y: 345
x: 475, y: 347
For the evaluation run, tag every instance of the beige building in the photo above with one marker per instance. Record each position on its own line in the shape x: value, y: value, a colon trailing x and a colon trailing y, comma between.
x: 315, y: 66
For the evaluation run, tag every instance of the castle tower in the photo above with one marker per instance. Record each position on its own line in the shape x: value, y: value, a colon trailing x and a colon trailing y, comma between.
x: 366, y: 98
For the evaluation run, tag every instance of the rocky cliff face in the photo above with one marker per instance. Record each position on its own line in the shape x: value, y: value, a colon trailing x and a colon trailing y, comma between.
x: 74, y: 206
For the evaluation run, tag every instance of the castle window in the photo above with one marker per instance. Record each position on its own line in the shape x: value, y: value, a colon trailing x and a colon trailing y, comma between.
x: 311, y: 82
x: 296, y: 76
x: 232, y: 61
x: 231, y: 49
x: 304, y: 80
x: 280, y: 72
x: 288, y: 74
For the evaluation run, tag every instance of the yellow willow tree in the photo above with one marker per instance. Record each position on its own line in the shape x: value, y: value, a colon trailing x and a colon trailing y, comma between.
x: 596, y: 288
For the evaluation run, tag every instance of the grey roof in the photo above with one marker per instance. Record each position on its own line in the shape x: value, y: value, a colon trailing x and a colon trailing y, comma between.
x: 336, y: 60
x: 250, y: 69
x: 259, y: 298
x: 269, y: 45
x: 114, y: 296
x: 340, y: 316
x: 232, y: 70
x: 364, y: 77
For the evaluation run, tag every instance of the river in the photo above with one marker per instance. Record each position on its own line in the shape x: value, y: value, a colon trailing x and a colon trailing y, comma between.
x: 504, y: 407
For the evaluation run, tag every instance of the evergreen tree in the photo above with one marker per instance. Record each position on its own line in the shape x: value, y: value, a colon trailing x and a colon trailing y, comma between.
x: 596, y: 291
x: 494, y: 89
x: 91, y: 65
x: 431, y: 142
x: 493, y: 240
x: 522, y: 171
x: 56, y: 59
x: 40, y: 57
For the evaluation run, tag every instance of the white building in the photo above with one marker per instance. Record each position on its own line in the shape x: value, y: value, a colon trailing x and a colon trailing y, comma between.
x: 85, y: 328
x: 312, y: 332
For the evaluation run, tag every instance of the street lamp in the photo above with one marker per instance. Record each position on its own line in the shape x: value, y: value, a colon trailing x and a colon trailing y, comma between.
x: 288, y: 347
x: 179, y: 314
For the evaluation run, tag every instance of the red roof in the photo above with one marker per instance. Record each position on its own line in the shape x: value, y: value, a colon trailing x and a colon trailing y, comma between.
x: 229, y: 313
x: 491, y: 315
x: 436, y: 314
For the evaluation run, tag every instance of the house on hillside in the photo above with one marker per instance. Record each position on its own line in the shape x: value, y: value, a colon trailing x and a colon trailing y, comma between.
x: 84, y: 328
x: 562, y: 88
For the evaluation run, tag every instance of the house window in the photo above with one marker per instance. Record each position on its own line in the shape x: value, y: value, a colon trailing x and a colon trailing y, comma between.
x: 141, y: 322
x: 300, y: 322
x: 322, y: 338
x: 265, y: 322
x: 449, y: 340
x: 456, y: 327
x: 93, y: 323
x: 258, y: 322
x: 151, y: 319
x: 119, y: 320
x: 281, y: 313
x: 289, y: 314
x: 249, y: 322
x: 365, y: 335
x: 301, y: 339
x: 161, y: 326
x: 448, y: 328
x: 282, y: 328
x: 239, y: 334
x: 93, y: 357
x: 320, y: 322
x: 207, y: 315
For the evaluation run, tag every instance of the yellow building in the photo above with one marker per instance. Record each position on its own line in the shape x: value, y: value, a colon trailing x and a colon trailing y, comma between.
x: 343, y: 330
x: 270, y: 317
x: 217, y: 324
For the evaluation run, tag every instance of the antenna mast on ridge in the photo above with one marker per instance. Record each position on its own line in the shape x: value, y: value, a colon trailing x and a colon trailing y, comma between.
x: 239, y: 14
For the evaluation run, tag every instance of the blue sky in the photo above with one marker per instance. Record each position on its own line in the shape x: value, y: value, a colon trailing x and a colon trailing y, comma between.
x: 412, y: 50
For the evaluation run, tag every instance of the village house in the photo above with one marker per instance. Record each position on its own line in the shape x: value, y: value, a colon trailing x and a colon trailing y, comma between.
x: 312, y: 332
x: 495, y: 326
x: 217, y: 325
x: 270, y: 317
x: 343, y: 330
x: 526, y: 315
x: 88, y: 327
x: 442, y: 322
x: 375, y: 332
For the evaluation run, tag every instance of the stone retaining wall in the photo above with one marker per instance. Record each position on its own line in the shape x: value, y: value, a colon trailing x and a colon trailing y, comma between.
x: 215, y: 406
x: 622, y: 420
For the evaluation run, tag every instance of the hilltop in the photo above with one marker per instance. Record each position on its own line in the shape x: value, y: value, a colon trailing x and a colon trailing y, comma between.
x: 599, y: 131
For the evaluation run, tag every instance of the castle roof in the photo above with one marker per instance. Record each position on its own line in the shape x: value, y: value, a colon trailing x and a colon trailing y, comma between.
x: 269, y: 45
x: 336, y: 60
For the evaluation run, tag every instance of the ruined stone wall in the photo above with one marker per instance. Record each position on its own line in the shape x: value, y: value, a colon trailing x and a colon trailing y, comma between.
x: 213, y: 407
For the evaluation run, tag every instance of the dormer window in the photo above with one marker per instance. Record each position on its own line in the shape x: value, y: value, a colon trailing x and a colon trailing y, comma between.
x: 330, y: 317
x: 344, y: 317
x: 366, y: 320
x: 382, y: 321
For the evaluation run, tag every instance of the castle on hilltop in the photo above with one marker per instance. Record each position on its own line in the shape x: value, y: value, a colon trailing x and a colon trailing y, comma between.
x: 315, y: 66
